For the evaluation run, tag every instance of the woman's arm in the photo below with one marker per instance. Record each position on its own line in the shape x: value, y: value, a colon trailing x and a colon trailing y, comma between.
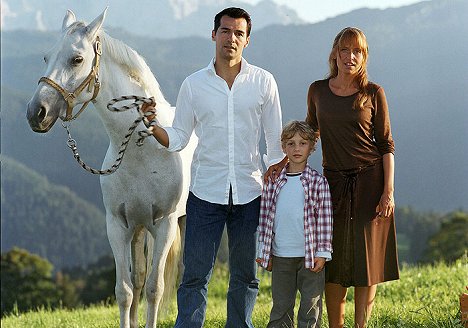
x: 386, y: 205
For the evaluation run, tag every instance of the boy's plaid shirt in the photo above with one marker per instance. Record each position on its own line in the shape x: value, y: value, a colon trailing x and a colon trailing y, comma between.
x: 318, y: 215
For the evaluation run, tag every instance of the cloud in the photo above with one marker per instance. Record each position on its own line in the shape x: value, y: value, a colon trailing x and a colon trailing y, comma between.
x: 5, y: 12
x: 39, y: 21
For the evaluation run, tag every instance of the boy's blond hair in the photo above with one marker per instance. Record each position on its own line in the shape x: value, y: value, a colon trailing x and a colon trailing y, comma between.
x: 304, y: 130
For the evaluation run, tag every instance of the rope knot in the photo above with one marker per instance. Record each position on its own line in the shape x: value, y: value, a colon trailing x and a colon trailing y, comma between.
x: 148, y: 117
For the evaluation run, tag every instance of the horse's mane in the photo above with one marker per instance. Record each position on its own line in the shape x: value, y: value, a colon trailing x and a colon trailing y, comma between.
x: 127, y: 58
x: 134, y: 64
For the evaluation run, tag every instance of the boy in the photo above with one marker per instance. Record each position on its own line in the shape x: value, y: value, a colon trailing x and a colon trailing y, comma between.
x: 295, y: 231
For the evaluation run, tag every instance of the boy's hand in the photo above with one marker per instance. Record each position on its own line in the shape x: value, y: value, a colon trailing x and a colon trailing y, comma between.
x: 269, y: 266
x: 319, y: 263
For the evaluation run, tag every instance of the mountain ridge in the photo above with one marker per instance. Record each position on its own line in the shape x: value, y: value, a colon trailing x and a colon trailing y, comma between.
x: 149, y: 18
x: 427, y: 101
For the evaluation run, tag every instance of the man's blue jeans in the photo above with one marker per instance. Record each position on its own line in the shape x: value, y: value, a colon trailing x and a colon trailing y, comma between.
x: 204, y: 228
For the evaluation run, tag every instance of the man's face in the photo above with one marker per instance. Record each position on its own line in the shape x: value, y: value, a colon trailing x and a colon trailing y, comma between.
x: 231, y: 38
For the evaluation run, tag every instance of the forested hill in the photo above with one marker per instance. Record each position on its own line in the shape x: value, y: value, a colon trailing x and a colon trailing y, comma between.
x: 49, y: 220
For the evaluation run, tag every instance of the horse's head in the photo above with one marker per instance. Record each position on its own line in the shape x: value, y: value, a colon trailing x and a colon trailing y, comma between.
x: 71, y: 76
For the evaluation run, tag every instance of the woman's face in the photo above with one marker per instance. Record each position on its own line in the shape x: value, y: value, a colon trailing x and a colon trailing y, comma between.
x: 349, y: 58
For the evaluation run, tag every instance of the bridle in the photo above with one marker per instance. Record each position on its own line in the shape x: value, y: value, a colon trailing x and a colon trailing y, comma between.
x: 71, y: 96
x: 138, y: 101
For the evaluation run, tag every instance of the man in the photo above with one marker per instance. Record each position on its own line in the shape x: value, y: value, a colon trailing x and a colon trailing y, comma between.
x: 225, y: 104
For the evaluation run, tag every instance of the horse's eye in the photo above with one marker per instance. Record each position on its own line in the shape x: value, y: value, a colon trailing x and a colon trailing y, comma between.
x: 77, y: 60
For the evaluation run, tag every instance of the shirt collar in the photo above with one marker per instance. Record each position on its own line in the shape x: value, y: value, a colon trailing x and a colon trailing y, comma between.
x: 244, y: 66
x: 306, y: 174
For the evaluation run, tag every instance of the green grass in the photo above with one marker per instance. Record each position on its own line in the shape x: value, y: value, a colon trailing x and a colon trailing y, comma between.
x: 425, y: 296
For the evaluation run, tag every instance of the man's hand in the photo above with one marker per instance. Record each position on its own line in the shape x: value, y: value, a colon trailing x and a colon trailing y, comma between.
x: 158, y: 132
x: 148, y: 107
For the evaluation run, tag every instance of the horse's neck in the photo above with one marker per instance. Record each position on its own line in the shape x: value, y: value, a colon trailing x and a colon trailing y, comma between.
x: 117, y: 83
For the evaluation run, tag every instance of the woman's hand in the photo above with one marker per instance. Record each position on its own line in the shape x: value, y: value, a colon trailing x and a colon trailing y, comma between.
x: 386, y: 205
x: 274, y: 170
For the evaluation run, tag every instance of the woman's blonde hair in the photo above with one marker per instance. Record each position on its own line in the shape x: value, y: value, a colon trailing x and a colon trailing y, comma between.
x: 304, y: 130
x: 352, y: 35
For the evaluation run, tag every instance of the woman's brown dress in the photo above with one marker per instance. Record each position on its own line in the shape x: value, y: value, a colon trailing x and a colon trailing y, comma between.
x: 353, y: 143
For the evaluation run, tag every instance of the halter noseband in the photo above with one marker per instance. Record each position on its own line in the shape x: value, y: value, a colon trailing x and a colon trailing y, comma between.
x: 71, y: 96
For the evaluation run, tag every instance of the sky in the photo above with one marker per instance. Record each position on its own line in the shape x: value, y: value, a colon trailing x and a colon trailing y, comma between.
x: 313, y: 11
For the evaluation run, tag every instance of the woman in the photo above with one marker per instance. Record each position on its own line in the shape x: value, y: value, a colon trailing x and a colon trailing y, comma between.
x: 352, y: 118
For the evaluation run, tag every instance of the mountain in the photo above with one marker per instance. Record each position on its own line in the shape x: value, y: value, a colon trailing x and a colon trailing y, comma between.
x: 416, y: 54
x: 48, y: 219
x: 48, y: 154
x: 161, y: 19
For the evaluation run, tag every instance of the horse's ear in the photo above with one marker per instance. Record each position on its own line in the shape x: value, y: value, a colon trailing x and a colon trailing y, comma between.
x: 68, y: 20
x: 95, y: 25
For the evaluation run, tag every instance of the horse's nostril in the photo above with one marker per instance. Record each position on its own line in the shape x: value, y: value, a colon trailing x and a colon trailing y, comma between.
x: 41, y: 114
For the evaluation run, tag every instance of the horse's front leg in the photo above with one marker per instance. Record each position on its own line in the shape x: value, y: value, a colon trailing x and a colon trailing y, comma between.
x: 164, y: 233
x: 120, y: 239
x: 138, y: 272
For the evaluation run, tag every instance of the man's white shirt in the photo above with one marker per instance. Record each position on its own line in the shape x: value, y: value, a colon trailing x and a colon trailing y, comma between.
x: 228, y: 125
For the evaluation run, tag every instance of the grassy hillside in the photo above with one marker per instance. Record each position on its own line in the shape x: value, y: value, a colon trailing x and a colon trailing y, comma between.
x: 425, y: 296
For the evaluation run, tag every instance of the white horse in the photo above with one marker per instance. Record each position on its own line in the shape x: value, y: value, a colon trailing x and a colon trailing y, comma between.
x: 147, y: 193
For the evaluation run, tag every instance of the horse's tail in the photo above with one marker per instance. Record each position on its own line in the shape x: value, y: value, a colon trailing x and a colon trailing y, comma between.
x: 173, y: 269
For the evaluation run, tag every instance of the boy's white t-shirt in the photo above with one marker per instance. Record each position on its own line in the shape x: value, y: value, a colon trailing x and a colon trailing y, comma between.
x: 288, y: 226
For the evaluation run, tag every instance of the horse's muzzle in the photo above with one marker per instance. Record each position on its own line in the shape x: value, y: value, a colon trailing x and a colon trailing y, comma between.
x: 38, y: 119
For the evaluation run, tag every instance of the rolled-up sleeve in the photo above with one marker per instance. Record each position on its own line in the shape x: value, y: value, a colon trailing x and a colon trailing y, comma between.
x: 383, y: 131
x: 311, y: 118
x: 324, y: 223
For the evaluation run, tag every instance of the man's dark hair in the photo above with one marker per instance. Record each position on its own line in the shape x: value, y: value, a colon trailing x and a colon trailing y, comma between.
x: 233, y: 12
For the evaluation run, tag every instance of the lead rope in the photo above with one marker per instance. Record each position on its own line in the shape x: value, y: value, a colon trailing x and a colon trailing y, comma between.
x: 137, y: 103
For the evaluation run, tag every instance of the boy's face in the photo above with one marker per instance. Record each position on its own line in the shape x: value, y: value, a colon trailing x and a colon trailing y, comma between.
x: 297, y: 149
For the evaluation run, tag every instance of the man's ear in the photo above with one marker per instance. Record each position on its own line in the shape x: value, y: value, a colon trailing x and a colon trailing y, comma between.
x: 247, y: 42
x: 213, y: 35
